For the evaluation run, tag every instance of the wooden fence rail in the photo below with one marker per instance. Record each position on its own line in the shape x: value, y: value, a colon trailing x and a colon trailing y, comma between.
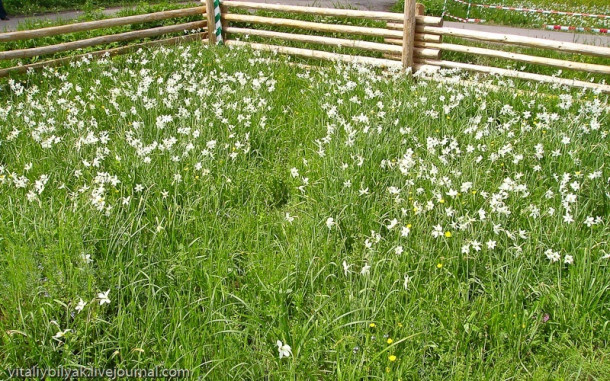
x: 74, y: 45
x: 99, y: 24
x: 316, y: 11
x: 102, y: 40
x: 531, y: 42
x: 411, y: 40
x: 414, y: 45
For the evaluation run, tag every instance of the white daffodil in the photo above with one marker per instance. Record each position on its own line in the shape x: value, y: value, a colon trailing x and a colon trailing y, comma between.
x: 330, y: 222
x: 86, y: 258
x: 284, y: 349
x: 366, y: 269
x: 289, y: 218
x: 346, y: 268
x: 61, y: 334
x: 103, y: 297
x: 81, y: 304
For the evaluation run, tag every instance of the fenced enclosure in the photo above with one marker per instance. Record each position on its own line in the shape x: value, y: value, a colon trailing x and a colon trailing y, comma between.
x: 410, y: 40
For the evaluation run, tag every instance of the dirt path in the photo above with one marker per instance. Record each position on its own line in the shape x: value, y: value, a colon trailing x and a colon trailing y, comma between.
x: 370, y: 5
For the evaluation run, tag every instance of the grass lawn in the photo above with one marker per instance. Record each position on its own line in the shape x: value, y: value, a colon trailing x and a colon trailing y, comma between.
x: 191, y: 207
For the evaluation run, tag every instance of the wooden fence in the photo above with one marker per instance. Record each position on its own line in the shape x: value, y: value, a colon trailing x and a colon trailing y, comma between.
x: 97, y: 41
x: 410, y: 40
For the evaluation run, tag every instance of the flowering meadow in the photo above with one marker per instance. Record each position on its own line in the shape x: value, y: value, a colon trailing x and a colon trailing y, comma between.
x: 242, y: 217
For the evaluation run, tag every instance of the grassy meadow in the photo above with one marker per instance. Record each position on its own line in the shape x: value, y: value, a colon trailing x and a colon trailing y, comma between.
x: 234, y: 214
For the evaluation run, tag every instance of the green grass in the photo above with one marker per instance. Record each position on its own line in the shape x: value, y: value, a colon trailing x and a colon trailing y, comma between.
x: 173, y: 170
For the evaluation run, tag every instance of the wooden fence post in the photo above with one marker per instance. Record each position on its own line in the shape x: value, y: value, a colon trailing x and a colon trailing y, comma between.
x: 212, y: 9
x: 209, y: 12
x: 408, y: 35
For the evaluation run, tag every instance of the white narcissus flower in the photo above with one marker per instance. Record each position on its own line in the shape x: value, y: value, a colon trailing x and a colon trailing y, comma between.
x: 284, y: 349
x: 79, y: 307
x: 553, y: 256
x: 330, y: 222
x: 103, y: 296
x: 289, y: 218
x: 366, y: 269
x: 346, y: 268
x: 61, y: 334
x: 86, y: 258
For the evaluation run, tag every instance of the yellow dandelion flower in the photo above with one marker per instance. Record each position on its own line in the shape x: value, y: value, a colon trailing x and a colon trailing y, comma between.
x: 448, y: 234
x: 372, y: 325
x: 392, y: 358
x: 409, y: 226
x: 389, y: 341
x: 439, y: 266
